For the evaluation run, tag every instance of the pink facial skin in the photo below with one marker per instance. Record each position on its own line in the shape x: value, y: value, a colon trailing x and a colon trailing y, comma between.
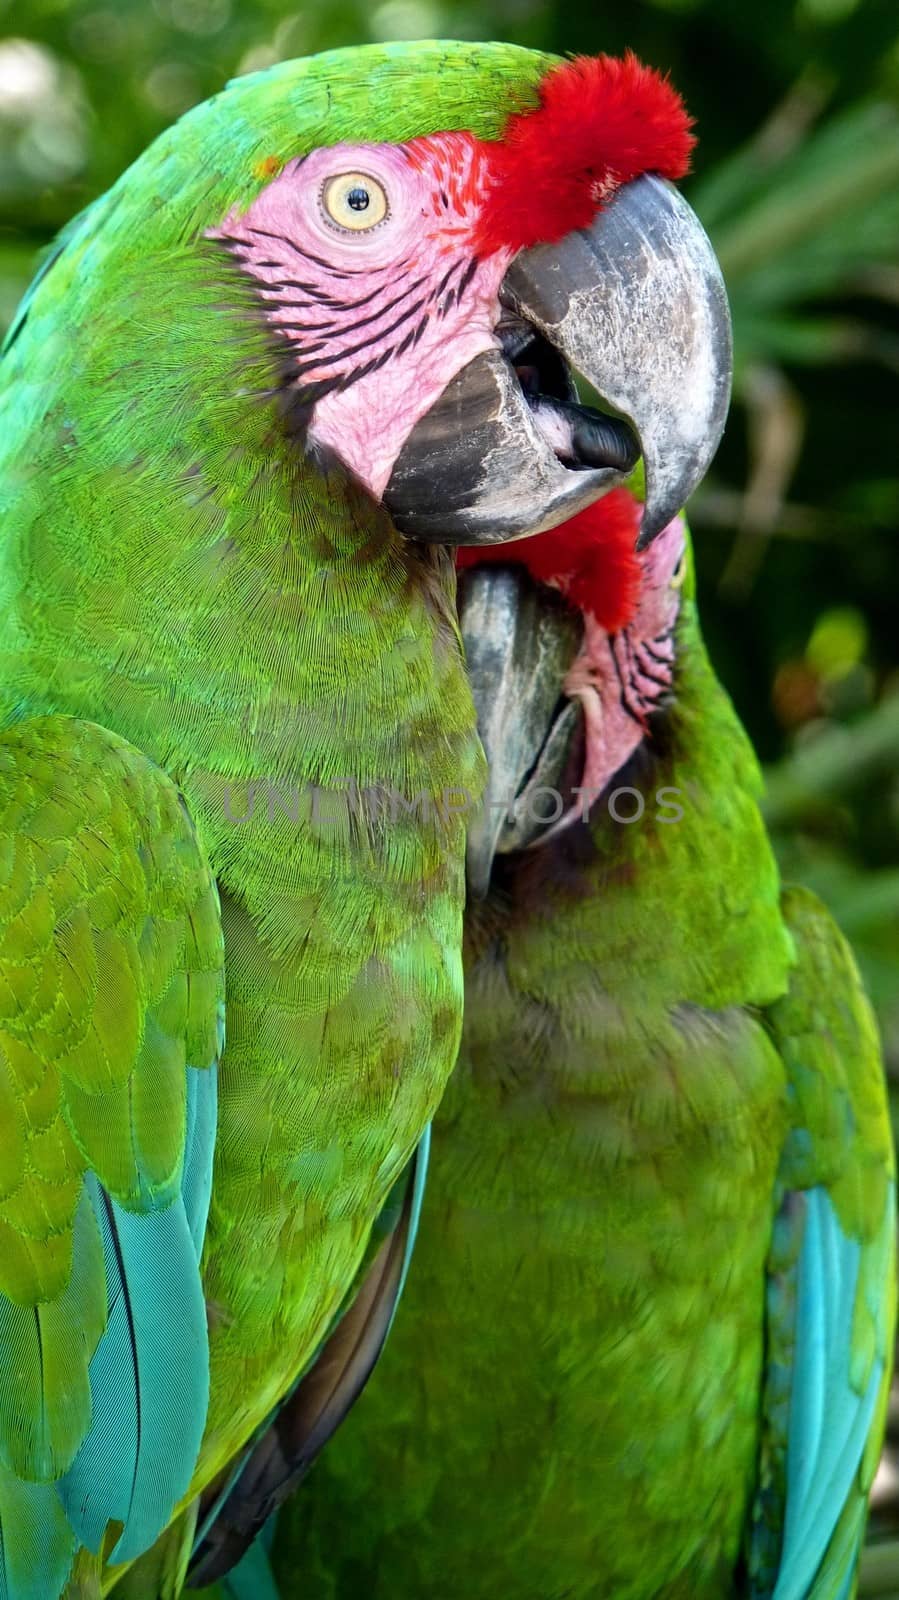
x: 621, y: 678
x: 378, y: 321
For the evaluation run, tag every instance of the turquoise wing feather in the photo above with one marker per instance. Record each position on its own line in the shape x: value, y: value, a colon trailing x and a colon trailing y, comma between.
x: 145, y: 1412
x: 111, y: 1022
x: 831, y: 1288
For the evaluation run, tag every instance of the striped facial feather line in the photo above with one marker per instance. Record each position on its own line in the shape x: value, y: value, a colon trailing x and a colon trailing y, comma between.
x: 328, y: 372
x: 341, y: 355
x: 656, y: 655
x: 642, y: 691
x: 309, y: 255
x: 307, y: 356
x: 334, y: 324
x: 639, y: 695
x: 639, y: 656
x: 442, y: 308
x: 455, y: 294
x: 626, y: 695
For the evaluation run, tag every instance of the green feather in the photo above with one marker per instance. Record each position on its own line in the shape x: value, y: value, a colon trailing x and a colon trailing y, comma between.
x: 110, y: 947
x: 587, y: 1391
x: 37, y: 1545
x: 46, y: 1412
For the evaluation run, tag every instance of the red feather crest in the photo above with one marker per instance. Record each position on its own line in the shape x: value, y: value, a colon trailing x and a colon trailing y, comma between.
x: 590, y: 559
x: 600, y: 122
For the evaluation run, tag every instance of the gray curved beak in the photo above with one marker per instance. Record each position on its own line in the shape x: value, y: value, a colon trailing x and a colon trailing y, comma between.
x: 636, y: 304
x: 520, y: 639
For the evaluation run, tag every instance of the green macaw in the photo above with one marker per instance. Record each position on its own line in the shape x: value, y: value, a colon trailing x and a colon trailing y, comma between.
x: 645, y: 1344
x: 252, y: 395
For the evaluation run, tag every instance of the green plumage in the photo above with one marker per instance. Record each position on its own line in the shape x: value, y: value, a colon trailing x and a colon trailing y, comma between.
x: 110, y: 982
x: 581, y: 1395
x: 111, y: 996
x: 250, y: 628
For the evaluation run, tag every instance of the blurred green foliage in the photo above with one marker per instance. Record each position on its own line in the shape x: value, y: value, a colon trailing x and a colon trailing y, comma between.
x: 797, y: 179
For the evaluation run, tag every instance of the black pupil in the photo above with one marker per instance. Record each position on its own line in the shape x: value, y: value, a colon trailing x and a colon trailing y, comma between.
x: 357, y: 199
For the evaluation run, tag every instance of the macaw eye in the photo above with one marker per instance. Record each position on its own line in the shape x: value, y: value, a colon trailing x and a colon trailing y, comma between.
x: 680, y: 571
x: 355, y: 201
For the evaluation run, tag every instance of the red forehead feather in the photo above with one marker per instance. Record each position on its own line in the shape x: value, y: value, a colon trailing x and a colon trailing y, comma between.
x: 590, y: 558
x: 600, y: 123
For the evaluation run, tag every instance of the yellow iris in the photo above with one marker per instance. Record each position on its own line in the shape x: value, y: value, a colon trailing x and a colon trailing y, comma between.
x: 354, y: 200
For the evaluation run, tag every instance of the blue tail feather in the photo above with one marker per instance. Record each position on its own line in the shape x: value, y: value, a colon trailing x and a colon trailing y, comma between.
x: 150, y: 1373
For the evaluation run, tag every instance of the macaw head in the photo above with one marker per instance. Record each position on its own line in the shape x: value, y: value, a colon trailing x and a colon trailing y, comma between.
x: 570, y: 647
x: 438, y: 236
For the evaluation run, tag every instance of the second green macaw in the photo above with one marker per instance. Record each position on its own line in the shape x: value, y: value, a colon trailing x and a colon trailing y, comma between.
x: 645, y: 1344
x: 310, y: 337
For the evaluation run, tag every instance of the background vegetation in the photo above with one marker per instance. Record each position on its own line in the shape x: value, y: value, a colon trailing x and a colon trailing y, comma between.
x: 797, y: 180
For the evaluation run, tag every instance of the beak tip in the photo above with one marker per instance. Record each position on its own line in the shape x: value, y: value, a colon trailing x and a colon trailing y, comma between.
x: 479, y: 859
x: 653, y: 522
